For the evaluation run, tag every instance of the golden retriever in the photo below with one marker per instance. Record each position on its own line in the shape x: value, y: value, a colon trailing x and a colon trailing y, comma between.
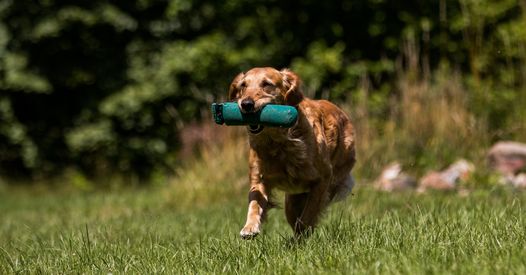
x: 310, y: 162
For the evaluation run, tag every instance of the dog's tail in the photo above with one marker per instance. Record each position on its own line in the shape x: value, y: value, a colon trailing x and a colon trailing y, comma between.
x: 343, y: 189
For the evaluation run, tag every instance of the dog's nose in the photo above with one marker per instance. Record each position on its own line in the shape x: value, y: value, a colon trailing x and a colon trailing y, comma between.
x: 247, y: 105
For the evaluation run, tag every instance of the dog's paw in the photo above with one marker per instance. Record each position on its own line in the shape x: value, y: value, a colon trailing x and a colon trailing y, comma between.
x: 249, y: 231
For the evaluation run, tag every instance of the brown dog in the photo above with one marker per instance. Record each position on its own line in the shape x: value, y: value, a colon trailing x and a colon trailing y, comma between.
x: 310, y: 162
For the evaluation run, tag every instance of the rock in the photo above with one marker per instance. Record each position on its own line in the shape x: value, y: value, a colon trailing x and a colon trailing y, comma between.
x: 447, y: 179
x: 393, y: 179
x: 507, y: 157
x: 519, y: 181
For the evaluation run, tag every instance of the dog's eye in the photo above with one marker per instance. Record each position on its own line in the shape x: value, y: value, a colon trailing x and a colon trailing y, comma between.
x: 242, y: 85
x: 266, y: 84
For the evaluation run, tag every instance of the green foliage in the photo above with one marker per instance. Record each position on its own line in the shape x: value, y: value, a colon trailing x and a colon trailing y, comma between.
x: 106, y: 87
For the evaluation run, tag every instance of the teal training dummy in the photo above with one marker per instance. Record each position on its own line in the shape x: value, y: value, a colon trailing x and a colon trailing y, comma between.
x: 271, y: 115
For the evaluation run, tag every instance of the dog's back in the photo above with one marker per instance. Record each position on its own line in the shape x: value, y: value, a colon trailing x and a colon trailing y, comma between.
x: 334, y: 135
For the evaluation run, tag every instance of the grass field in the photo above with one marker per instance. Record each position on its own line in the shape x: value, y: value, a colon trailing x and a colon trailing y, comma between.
x: 161, y: 230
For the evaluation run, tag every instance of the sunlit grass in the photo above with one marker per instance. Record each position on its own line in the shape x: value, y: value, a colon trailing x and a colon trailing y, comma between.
x: 146, y: 231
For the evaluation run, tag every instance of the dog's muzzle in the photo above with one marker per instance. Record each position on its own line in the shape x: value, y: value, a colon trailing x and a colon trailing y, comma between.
x: 255, y: 129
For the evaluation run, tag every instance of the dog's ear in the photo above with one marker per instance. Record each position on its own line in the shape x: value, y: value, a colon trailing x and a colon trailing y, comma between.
x: 292, y: 82
x: 233, y: 91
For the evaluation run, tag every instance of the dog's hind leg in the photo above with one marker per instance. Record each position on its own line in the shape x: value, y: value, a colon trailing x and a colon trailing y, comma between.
x: 341, y: 190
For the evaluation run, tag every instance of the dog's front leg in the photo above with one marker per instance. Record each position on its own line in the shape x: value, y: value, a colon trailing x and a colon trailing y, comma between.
x: 257, y: 207
x: 258, y: 199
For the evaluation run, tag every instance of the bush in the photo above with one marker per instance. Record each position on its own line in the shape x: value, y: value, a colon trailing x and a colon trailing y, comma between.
x: 108, y: 87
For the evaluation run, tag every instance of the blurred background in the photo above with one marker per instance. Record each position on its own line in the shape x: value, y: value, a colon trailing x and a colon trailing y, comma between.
x: 97, y: 92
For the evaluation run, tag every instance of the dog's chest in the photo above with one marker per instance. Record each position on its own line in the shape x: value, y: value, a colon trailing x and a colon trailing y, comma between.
x: 288, y: 166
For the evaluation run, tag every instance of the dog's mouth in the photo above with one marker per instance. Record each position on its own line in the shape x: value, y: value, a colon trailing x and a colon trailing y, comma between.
x: 255, y: 129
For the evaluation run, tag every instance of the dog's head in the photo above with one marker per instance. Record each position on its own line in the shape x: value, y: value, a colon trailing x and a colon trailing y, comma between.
x: 261, y: 86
